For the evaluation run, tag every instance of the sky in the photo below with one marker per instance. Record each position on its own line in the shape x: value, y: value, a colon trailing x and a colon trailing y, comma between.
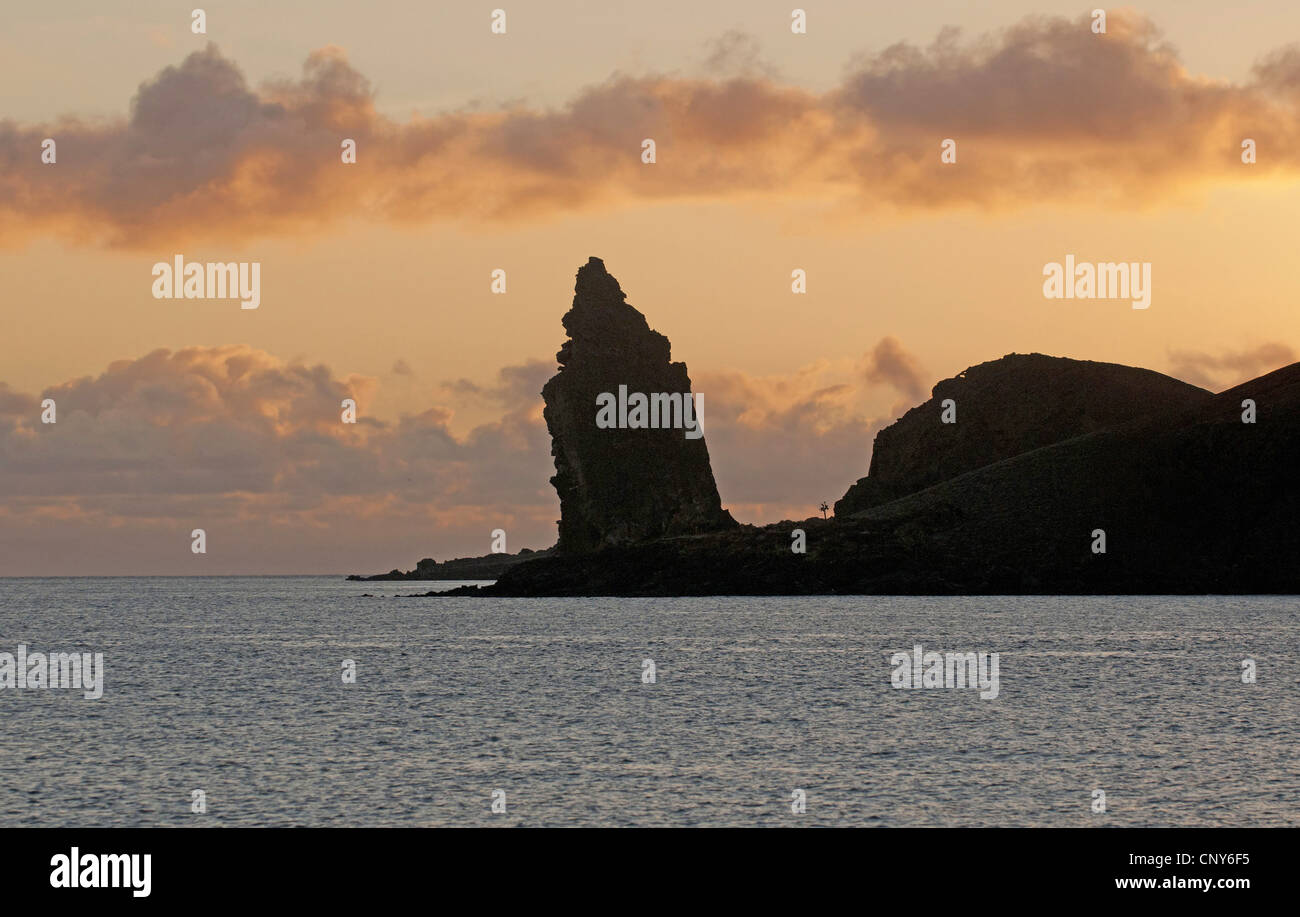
x: 522, y: 151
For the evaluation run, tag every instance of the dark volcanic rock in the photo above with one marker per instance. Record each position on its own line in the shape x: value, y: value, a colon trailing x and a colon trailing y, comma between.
x: 1004, y: 408
x: 489, y: 566
x: 1191, y: 499
x: 621, y: 486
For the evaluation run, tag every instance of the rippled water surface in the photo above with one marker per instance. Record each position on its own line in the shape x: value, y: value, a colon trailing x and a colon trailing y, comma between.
x: 232, y: 686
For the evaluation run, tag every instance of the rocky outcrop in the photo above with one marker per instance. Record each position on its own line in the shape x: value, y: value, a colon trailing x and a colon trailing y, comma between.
x: 621, y: 486
x: 1005, y: 408
x: 1191, y: 501
x: 489, y: 566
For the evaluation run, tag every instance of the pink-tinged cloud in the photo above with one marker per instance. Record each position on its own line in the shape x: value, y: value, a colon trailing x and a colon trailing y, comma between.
x: 1045, y: 111
x: 1229, y: 367
x: 254, y: 450
x: 888, y: 363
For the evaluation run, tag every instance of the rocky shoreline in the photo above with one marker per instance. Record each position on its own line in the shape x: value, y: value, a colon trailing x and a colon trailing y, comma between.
x: 487, y: 567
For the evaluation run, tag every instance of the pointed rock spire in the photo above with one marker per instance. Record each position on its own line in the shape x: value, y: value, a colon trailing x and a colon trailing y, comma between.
x: 623, y: 483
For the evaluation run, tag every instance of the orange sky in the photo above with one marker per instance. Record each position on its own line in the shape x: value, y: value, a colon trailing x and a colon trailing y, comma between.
x: 375, y: 276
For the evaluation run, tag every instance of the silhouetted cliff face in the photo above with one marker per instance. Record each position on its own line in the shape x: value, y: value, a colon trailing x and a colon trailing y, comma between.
x: 620, y: 486
x: 1004, y: 408
x: 1191, y: 500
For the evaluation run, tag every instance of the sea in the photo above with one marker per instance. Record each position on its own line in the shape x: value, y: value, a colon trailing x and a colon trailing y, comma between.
x: 278, y: 701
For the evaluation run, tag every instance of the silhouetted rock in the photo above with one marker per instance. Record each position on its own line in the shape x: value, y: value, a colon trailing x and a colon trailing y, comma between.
x: 620, y: 486
x: 1004, y: 408
x: 1191, y: 500
x: 489, y: 566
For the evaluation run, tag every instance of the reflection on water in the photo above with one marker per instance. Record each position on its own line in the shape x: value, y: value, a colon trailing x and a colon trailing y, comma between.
x: 234, y: 686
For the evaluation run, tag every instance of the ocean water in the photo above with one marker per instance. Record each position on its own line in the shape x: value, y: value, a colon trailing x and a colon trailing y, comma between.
x: 233, y: 686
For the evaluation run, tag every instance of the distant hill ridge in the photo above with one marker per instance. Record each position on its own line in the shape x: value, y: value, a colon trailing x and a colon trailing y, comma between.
x: 1004, y: 407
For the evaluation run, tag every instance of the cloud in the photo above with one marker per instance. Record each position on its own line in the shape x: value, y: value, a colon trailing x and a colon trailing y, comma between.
x: 1221, y: 371
x: 230, y: 419
x: 15, y: 403
x: 736, y: 53
x: 1042, y: 111
x: 233, y: 439
x: 888, y: 363
x: 252, y: 448
x: 516, y: 384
